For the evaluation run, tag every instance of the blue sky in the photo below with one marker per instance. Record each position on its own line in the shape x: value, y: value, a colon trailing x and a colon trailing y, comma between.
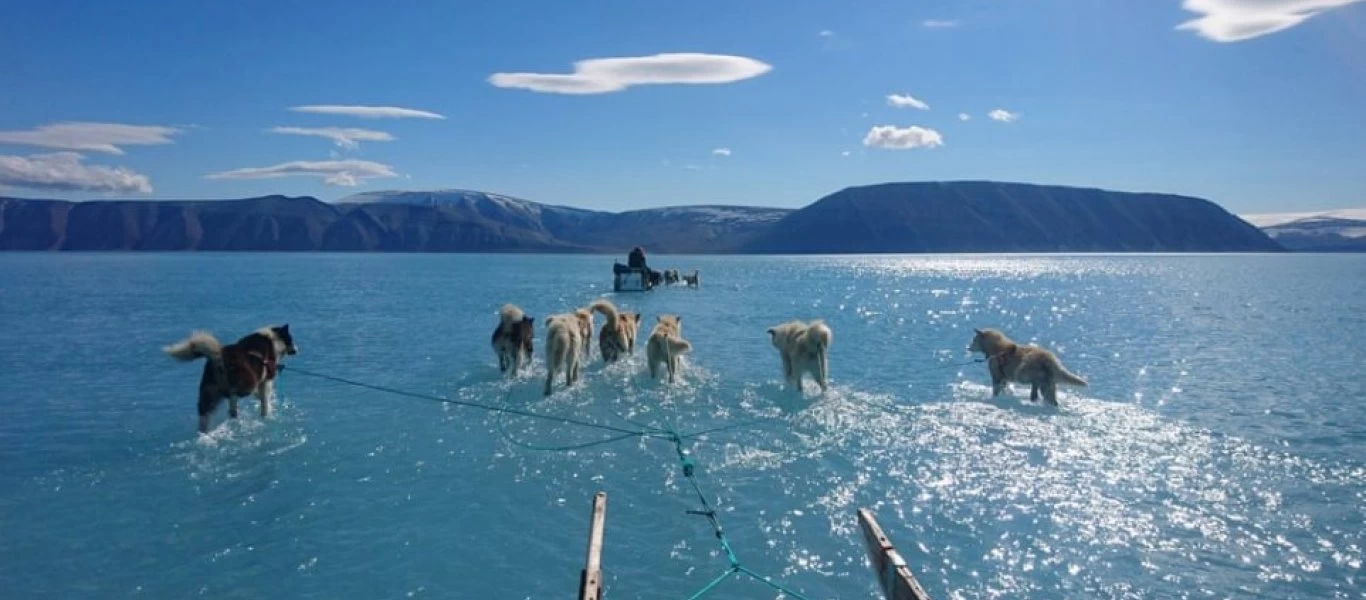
x: 1256, y: 104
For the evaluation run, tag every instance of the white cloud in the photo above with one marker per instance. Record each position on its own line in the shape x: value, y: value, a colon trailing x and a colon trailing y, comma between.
x: 905, y: 101
x: 1003, y: 115
x: 603, y: 75
x: 1237, y: 20
x: 845, y: 153
x: 826, y: 33
x: 333, y: 172
x: 346, y: 137
x: 367, y: 112
x: 939, y: 23
x: 892, y: 138
x: 92, y: 137
x: 65, y: 172
x: 721, y: 151
x: 964, y: 117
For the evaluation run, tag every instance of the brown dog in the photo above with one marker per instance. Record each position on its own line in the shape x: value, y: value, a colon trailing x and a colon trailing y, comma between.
x: 1033, y: 365
x: 618, y: 334
x: 236, y: 370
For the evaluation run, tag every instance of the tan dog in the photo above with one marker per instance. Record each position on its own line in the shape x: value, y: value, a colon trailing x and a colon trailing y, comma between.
x: 618, y: 334
x: 564, y: 340
x: 1033, y: 365
x: 804, y: 348
x: 665, y: 344
x: 585, y: 318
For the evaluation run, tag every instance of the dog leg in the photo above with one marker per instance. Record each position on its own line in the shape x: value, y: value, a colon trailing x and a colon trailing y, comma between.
x: 1050, y: 392
x: 1033, y: 392
x: 549, y: 378
x: 502, y: 362
x: 265, y: 393
x: 207, y: 404
x: 232, y: 408
x: 823, y: 373
x: 998, y: 385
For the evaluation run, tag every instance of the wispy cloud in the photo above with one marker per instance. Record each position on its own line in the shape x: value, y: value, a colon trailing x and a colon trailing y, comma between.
x: 890, y: 137
x: 721, y: 151
x: 939, y: 23
x: 825, y: 33
x: 65, y: 171
x: 964, y: 117
x: 603, y: 75
x: 845, y: 153
x: 367, y: 112
x: 346, y: 137
x: 906, y: 101
x: 346, y: 173
x: 1238, y: 20
x: 91, y: 137
x: 1002, y: 115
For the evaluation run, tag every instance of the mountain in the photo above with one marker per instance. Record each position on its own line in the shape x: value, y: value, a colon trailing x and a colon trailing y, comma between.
x: 669, y: 230
x: 895, y: 217
x: 984, y: 216
x: 266, y: 223
x: 1328, y: 231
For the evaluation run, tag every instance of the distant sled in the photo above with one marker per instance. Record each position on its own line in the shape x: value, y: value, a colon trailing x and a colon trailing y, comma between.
x: 627, y: 279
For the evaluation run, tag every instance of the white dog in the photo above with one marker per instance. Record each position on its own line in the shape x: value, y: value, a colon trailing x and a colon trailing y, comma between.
x: 803, y: 347
x: 665, y: 344
x: 564, y: 342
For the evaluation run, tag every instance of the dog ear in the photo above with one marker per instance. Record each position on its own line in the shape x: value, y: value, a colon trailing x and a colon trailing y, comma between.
x: 678, y: 319
x: 976, y: 330
x: 529, y: 319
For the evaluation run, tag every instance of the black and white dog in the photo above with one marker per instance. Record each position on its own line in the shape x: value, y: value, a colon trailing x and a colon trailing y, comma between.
x: 236, y: 370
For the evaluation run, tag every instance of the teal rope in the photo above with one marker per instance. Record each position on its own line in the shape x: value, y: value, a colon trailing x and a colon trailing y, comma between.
x: 488, y: 407
x: 684, y: 458
x: 690, y: 473
x: 511, y: 439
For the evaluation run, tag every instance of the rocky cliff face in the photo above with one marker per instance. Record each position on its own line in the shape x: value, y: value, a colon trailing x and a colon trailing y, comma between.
x: 897, y: 217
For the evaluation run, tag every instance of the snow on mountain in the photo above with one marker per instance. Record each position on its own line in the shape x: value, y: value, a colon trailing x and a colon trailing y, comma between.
x: 1265, y: 220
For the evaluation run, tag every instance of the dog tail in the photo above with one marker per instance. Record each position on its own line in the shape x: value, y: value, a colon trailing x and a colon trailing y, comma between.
x: 677, y: 345
x: 1062, y: 375
x: 510, y: 314
x: 200, y: 344
x: 605, y: 307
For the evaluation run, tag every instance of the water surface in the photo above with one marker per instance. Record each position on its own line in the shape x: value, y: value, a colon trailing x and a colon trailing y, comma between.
x: 1219, y: 452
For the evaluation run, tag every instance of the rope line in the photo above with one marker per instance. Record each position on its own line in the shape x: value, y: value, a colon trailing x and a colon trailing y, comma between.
x: 444, y: 400
x: 685, y: 460
x: 688, y: 465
